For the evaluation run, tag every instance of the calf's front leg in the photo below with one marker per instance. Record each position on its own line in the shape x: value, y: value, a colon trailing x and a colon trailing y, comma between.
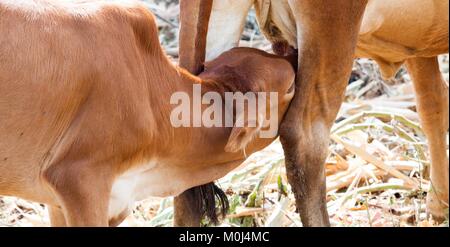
x: 83, y: 191
x: 57, y: 218
x: 327, y: 34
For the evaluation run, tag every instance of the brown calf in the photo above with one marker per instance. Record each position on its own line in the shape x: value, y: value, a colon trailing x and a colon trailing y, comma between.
x: 85, y: 126
x: 326, y: 34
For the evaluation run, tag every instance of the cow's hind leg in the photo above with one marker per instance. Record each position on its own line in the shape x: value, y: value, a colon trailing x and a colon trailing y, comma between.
x: 433, y: 103
x: 187, y: 213
x: 327, y: 32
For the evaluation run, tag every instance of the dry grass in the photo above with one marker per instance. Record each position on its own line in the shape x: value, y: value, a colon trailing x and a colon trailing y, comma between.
x: 376, y: 169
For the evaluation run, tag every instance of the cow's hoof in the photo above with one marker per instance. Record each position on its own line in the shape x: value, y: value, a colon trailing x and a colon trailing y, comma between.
x: 437, y: 207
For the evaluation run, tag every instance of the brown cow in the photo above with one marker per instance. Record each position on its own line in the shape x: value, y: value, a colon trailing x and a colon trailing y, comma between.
x: 326, y: 34
x: 85, y: 109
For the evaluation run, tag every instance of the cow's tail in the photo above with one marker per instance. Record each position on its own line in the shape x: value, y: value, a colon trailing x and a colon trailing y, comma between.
x: 212, y: 202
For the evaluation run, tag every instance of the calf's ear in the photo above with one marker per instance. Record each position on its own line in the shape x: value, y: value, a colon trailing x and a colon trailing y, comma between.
x: 240, y: 137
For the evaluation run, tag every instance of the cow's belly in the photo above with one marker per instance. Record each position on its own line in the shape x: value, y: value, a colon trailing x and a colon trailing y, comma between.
x: 381, y: 40
x: 159, y: 179
x: 379, y: 37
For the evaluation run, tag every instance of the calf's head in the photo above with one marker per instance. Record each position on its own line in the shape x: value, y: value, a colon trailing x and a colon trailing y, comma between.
x: 267, y: 84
